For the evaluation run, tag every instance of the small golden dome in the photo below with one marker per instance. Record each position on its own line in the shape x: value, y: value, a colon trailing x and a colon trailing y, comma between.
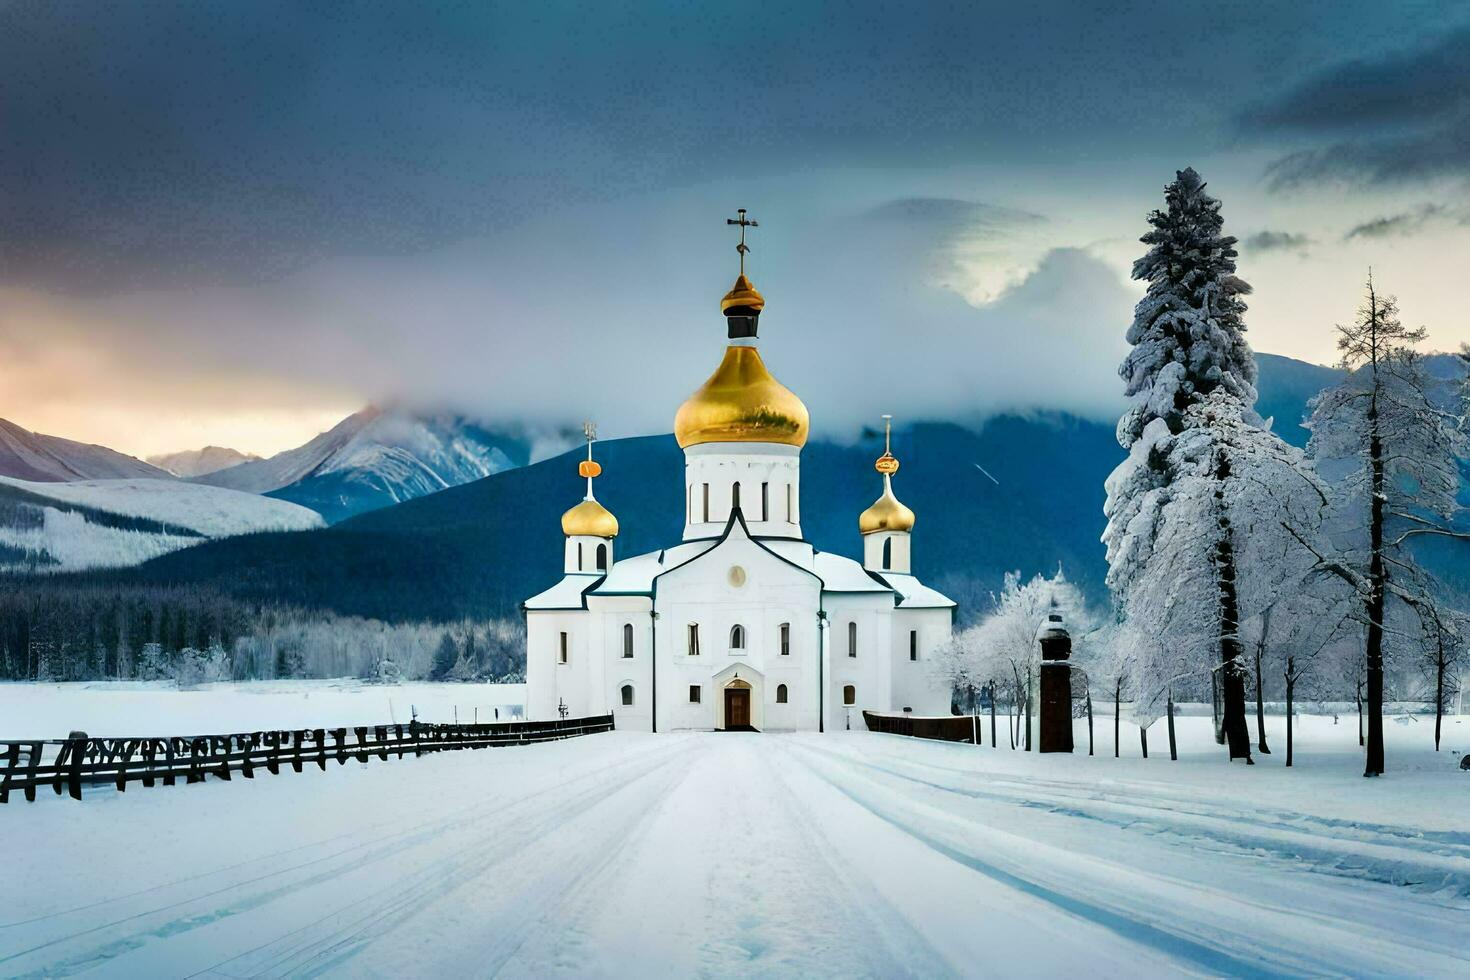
x: 742, y: 402
x: 886, y: 514
x: 589, y: 468
x: 591, y: 518
x: 743, y: 294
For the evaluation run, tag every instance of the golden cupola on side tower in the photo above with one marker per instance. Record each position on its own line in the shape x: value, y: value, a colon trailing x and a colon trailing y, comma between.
x: 887, y: 513
x: 589, y: 517
x: 741, y: 401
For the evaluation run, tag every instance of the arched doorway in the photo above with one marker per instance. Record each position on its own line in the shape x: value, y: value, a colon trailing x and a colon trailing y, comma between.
x: 737, y: 707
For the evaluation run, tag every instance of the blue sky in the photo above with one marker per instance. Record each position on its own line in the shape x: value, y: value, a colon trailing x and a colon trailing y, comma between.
x: 231, y: 223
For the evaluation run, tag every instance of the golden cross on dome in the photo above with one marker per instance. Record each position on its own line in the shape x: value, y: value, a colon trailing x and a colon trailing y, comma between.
x: 744, y: 223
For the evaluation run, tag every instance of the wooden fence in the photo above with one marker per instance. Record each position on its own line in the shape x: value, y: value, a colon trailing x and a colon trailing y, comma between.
x: 956, y: 728
x: 70, y: 763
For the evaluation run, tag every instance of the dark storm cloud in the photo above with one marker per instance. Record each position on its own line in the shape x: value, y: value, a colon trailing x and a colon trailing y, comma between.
x: 1277, y: 241
x: 1399, y: 116
x: 169, y: 143
x: 1407, y: 223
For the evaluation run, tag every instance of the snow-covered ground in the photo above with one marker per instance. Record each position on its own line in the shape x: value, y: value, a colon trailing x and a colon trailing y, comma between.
x: 110, y: 708
x: 706, y: 854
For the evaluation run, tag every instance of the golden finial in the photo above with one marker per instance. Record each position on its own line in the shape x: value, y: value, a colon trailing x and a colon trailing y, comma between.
x: 589, y: 467
x: 743, y: 295
x: 887, y: 464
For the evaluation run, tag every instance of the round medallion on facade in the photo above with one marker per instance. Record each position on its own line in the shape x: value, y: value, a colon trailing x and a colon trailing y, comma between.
x: 737, y: 576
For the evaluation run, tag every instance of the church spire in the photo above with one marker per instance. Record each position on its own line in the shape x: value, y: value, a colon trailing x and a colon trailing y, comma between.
x: 887, y: 513
x: 742, y: 305
x: 589, y: 518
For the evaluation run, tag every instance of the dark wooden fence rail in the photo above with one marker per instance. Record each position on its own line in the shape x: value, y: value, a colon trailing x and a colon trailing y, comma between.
x: 957, y: 728
x: 69, y: 763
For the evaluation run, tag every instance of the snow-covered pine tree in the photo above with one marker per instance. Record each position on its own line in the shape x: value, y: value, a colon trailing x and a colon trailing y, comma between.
x: 1205, y: 530
x: 1390, y: 452
x: 1188, y: 344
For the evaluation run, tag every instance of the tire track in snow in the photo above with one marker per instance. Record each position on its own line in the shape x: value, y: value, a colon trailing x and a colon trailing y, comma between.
x: 328, y: 942
x: 230, y: 899
x: 1401, y: 860
x: 1259, y: 943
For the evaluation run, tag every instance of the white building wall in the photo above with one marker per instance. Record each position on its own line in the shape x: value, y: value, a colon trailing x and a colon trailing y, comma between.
x: 705, y: 592
x: 870, y: 671
x: 722, y: 465
x: 915, y: 685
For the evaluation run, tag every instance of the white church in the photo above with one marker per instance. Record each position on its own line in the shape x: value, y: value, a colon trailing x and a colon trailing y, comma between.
x: 742, y: 625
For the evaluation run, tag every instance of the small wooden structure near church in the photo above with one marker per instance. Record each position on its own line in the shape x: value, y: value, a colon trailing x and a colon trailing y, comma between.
x: 1056, y: 684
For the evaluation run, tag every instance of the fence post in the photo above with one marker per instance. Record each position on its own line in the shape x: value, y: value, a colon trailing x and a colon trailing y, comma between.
x: 77, y: 746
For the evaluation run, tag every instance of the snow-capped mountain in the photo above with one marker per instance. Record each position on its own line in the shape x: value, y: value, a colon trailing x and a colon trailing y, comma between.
x: 27, y: 455
x: 198, y: 462
x: 376, y: 458
x: 114, y: 523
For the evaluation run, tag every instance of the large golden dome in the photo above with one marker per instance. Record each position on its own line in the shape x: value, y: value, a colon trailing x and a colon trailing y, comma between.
x: 742, y: 402
x: 886, y: 514
x: 591, y: 518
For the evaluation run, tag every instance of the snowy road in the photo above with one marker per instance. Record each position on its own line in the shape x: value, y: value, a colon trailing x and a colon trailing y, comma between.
x: 712, y: 855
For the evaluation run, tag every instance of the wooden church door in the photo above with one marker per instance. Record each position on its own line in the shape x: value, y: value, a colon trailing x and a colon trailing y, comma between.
x: 737, y: 707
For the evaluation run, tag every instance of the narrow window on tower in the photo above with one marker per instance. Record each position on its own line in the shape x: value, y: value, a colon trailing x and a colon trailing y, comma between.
x: 790, y: 517
x: 737, y: 638
x: 627, y: 694
x: 579, y: 556
x: 913, y: 644
x: 785, y: 639
x: 852, y: 639
x: 780, y: 693
x: 562, y: 652
x: 765, y: 501
x: 627, y: 641
x: 887, y: 552
x: 706, y: 503
x: 734, y: 497
x: 602, y: 558
x: 693, y: 693
x: 693, y: 639
x: 849, y: 695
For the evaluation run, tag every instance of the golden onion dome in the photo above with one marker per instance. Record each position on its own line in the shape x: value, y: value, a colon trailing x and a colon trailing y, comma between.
x: 589, y: 518
x: 887, y: 513
x: 743, y: 295
x: 742, y: 402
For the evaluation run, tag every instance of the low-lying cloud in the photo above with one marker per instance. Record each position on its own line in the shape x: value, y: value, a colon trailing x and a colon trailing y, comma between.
x: 613, y: 312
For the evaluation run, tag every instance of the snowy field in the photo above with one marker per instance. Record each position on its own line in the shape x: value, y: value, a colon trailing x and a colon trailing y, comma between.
x: 848, y: 854
x: 108, y: 708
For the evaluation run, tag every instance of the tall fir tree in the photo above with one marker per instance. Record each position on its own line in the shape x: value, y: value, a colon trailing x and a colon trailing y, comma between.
x: 1188, y: 348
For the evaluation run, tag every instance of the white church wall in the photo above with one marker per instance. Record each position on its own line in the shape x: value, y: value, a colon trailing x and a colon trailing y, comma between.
x: 611, y: 670
x: 870, y: 671
x: 898, y: 543
x: 549, y: 682
x: 721, y: 466
x: 763, y: 594
x: 915, y: 685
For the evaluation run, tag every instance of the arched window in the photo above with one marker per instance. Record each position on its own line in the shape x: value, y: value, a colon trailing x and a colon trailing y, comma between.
x: 785, y: 639
x: 852, y: 639
x: 628, y: 694
x: 849, y: 694
x: 737, y: 638
x: 602, y: 558
x: 887, y: 552
x: 780, y: 693
x: 734, y: 496
x: 628, y: 641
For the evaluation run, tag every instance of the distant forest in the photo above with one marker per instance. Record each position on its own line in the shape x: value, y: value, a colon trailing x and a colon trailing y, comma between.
x: 64, y: 631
